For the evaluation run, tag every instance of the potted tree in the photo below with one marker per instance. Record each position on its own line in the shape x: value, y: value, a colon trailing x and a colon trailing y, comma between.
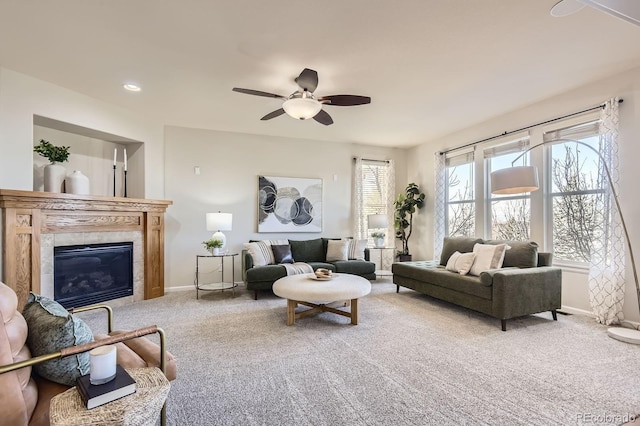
x: 213, y: 245
x: 405, y: 206
x: 54, y: 173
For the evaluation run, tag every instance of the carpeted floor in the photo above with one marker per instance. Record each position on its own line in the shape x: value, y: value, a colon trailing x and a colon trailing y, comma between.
x: 412, y: 360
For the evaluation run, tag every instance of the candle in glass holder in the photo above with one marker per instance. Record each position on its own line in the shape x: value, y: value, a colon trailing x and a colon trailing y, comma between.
x: 103, y: 364
x: 125, y: 159
x: 115, y: 155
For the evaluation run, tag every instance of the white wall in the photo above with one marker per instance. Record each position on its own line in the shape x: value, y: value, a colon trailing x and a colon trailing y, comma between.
x: 625, y: 85
x: 22, y: 97
x: 230, y: 164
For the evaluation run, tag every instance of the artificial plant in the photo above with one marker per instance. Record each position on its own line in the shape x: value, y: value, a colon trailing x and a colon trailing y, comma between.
x: 405, y: 206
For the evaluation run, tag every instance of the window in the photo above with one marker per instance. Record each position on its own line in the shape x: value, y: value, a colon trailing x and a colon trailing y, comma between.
x: 378, y: 192
x: 510, y: 215
x: 459, y: 198
x: 577, y: 193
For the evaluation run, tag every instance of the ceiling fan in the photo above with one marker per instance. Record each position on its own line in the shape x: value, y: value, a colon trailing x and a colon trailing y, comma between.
x: 303, y: 104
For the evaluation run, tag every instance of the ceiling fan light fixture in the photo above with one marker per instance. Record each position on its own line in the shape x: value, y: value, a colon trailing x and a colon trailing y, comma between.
x: 302, y: 108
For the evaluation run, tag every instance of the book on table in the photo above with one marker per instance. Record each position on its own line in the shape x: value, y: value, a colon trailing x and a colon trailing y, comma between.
x: 95, y: 395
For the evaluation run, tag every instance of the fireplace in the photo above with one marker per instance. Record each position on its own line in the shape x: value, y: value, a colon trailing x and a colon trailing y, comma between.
x: 92, y: 273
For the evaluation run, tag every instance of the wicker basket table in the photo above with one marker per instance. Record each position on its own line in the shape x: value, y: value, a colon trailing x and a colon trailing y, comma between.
x: 140, y: 408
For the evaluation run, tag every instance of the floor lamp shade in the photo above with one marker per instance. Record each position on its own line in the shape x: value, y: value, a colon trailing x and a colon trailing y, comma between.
x: 219, y: 222
x: 514, y: 180
x: 377, y: 221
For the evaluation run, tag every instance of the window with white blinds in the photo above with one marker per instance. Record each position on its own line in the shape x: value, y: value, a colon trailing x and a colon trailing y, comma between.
x: 375, y: 187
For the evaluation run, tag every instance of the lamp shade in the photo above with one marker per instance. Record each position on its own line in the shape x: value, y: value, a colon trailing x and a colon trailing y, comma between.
x: 302, y: 108
x: 514, y: 180
x: 376, y: 221
x: 219, y: 221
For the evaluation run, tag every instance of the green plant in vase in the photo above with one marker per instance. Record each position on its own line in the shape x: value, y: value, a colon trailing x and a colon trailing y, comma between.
x: 54, y: 173
x: 213, y: 245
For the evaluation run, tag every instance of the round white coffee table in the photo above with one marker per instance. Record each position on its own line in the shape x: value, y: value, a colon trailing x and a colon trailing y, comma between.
x: 305, y: 290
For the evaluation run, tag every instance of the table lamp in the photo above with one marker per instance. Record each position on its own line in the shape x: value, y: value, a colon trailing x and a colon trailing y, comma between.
x: 219, y: 222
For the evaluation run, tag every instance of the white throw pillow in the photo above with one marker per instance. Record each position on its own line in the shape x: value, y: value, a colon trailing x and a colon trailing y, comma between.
x: 460, y: 263
x: 337, y: 250
x: 488, y: 256
x: 260, y: 253
x: 356, y: 249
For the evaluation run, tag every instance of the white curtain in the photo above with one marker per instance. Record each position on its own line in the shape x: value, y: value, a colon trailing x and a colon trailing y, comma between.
x: 390, y: 196
x: 607, y: 266
x: 439, y: 204
x: 359, y: 221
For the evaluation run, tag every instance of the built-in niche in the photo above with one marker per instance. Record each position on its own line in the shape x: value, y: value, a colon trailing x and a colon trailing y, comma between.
x: 92, y: 152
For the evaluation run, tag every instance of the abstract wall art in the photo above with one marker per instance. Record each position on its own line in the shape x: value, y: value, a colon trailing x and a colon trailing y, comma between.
x: 288, y: 204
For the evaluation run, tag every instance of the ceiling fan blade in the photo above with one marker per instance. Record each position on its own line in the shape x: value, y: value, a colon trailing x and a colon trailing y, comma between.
x: 345, y: 100
x: 274, y: 114
x: 308, y: 80
x: 323, y: 117
x: 258, y: 93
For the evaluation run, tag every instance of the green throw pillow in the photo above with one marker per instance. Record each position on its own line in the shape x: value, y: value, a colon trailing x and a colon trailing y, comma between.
x: 52, y: 328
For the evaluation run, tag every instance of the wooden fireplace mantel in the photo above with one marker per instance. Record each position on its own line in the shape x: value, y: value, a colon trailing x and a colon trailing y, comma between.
x: 26, y: 215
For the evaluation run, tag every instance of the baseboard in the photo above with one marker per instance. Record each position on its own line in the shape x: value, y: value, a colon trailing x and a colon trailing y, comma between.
x: 181, y: 288
x: 575, y: 311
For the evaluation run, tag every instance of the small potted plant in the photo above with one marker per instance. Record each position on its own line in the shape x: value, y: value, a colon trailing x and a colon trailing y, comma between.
x: 378, y: 238
x: 213, y: 245
x: 54, y: 173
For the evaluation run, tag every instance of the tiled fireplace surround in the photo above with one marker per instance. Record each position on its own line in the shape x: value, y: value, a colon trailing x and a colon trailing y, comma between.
x: 33, y: 223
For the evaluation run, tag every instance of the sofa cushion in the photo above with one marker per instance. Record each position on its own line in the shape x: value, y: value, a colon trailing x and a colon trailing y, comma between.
x: 282, y: 253
x: 52, y: 328
x: 522, y: 254
x: 488, y: 256
x: 266, y: 273
x: 260, y: 253
x: 308, y: 250
x: 461, y: 244
x: 460, y: 262
x: 356, y: 249
x: 337, y: 250
x: 437, y: 275
x: 356, y: 267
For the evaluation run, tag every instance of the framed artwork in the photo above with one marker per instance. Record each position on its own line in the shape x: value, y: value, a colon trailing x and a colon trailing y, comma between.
x: 289, y: 204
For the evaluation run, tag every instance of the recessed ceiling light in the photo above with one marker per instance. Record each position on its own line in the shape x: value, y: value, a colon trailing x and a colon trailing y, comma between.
x: 132, y: 87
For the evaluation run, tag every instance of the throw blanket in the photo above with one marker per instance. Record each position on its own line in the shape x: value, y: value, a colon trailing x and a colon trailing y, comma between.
x: 298, y: 268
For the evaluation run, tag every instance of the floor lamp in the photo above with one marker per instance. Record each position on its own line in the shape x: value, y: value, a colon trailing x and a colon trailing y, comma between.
x: 516, y: 180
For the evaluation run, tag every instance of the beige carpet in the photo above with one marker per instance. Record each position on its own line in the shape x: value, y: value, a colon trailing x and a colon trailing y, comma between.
x: 412, y: 360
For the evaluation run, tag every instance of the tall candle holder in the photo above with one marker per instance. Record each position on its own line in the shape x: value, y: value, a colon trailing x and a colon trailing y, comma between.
x: 125, y: 183
x: 114, y: 180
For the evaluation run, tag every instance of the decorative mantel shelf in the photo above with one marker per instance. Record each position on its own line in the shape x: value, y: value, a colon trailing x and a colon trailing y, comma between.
x: 26, y: 215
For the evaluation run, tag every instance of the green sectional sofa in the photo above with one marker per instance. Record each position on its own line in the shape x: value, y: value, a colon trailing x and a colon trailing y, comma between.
x: 313, y: 252
x: 526, y: 283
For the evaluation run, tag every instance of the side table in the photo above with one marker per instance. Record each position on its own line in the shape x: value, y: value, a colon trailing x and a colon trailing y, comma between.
x: 383, y: 272
x: 140, y: 408
x: 222, y: 284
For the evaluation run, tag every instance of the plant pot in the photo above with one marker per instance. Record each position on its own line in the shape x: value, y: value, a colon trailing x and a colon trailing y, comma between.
x: 404, y: 258
x: 216, y: 251
x: 54, y: 175
x: 378, y: 242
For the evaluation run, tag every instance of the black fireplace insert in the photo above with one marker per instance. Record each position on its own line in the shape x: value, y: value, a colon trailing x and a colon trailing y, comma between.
x: 93, y: 273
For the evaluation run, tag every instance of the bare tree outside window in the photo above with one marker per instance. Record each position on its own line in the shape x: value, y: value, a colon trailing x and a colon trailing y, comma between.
x: 510, y: 219
x: 578, y: 204
x: 461, y: 205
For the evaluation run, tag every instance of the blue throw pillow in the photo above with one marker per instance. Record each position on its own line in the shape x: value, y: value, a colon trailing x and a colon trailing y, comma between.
x: 51, y: 329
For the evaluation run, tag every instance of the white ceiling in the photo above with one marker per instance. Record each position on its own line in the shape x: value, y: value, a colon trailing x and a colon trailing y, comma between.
x: 431, y: 67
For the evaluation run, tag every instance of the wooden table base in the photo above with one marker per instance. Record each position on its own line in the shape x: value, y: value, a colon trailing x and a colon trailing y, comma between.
x: 292, y: 315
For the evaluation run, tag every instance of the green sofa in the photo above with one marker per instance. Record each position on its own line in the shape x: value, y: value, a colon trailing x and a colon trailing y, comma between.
x: 313, y: 252
x: 526, y: 283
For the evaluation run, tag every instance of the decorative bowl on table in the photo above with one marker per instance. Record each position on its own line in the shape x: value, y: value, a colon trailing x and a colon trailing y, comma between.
x: 322, y: 274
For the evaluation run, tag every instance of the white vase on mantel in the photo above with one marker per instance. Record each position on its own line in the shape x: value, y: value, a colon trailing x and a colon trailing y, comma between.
x: 54, y: 175
x: 77, y: 183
